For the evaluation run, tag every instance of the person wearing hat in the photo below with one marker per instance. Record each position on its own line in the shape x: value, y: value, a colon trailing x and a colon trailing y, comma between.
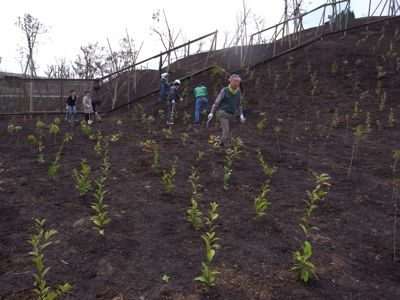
x: 228, y: 102
x: 173, y: 97
x: 164, y: 85
x: 200, y: 94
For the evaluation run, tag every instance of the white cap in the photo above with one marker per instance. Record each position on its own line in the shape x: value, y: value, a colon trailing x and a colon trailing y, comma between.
x: 177, y: 81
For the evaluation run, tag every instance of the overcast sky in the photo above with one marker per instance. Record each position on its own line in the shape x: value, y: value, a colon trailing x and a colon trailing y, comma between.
x: 75, y: 23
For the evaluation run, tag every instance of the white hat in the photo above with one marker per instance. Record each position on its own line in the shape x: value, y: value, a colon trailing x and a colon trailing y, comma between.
x: 177, y: 81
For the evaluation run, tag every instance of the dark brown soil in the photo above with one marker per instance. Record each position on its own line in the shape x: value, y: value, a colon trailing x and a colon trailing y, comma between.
x: 149, y: 235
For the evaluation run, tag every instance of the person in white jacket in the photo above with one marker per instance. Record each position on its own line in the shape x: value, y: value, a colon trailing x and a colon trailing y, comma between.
x: 88, y: 107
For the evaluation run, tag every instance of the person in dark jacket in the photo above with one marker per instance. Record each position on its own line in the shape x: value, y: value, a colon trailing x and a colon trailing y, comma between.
x: 173, y: 96
x: 228, y: 102
x: 164, y: 85
x: 71, y: 106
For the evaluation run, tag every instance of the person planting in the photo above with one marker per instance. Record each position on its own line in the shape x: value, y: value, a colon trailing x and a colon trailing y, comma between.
x: 164, y: 85
x: 173, y: 96
x: 71, y: 106
x: 87, y: 107
x: 228, y: 102
x: 200, y: 94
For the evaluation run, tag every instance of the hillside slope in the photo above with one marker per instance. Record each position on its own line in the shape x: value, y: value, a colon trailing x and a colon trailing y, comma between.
x: 149, y: 235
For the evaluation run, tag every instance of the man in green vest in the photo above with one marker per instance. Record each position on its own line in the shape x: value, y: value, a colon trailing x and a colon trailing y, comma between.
x: 200, y: 94
x: 228, y: 102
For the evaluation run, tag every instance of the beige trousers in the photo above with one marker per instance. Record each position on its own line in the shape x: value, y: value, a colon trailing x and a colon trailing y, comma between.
x: 225, y: 119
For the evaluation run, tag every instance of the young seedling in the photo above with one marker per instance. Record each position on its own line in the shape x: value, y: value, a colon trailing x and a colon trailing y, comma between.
x: 115, y: 137
x: 318, y: 115
x: 39, y: 241
x: 31, y: 139
x: 193, y: 180
x: 184, y: 138
x: 168, y: 178
x: 161, y: 114
x: 335, y: 119
x: 380, y: 72
x: 165, y: 278
x: 267, y: 170
x: 40, y: 125
x: 200, y: 155
x: 57, y: 121
x: 186, y: 120
x: 214, y: 141
x: 41, y: 149
x: 356, y: 110
x: 334, y: 67
x: 53, y: 169
x: 86, y: 129
x: 148, y: 119
x: 209, y: 276
x: 290, y: 70
x: 396, y: 157
x: 269, y: 71
x: 277, y: 133
x: 261, y: 203
x: 194, y: 215
x: 347, y: 117
x: 368, y: 129
x: 118, y: 122
x: 301, y: 257
x: 14, y: 129
x: 228, y: 169
x: 98, y: 149
x: 382, y: 101
x: 167, y: 132
x: 218, y: 71
x: 237, y: 145
x: 309, y: 67
x: 314, y: 83
x: 357, y: 137
x: 83, y: 183
x: 263, y: 122
x: 54, y: 130
x: 100, y: 220
x: 155, y: 166
x: 146, y: 146
x: 302, y: 263
x: 276, y: 80
x: 391, y: 119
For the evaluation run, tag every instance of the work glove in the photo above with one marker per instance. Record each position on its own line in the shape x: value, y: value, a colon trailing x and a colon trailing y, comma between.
x: 242, y: 119
x: 173, y: 102
x: 210, y: 116
x: 181, y: 99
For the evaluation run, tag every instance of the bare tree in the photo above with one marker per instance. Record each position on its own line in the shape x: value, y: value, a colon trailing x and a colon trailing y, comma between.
x: 166, y: 34
x: 123, y: 58
x: 260, y: 24
x: 226, y: 38
x: 32, y: 28
x: 60, y: 70
x: 91, y: 62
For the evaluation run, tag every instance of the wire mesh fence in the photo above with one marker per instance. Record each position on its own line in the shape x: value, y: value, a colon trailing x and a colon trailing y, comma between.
x: 21, y: 95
